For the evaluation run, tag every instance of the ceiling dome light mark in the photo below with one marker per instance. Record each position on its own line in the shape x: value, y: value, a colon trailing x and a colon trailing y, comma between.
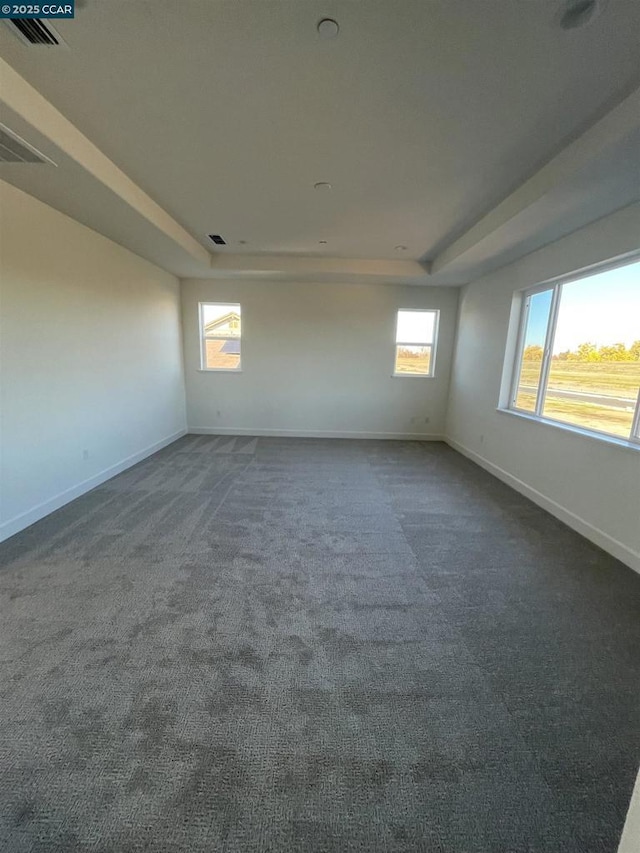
x: 328, y: 28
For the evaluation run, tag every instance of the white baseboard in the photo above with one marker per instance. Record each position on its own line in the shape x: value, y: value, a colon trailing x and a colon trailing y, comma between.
x: 630, y: 840
x: 304, y: 433
x: 25, y: 519
x: 603, y: 540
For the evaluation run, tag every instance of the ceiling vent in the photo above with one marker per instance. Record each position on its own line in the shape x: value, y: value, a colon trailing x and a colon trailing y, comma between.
x: 217, y: 239
x: 13, y: 149
x: 34, y: 31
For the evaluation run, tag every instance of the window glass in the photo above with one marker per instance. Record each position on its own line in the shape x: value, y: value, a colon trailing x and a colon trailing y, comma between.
x: 415, y: 342
x: 594, y: 373
x: 220, y: 333
x: 415, y: 360
x: 535, y: 332
x: 589, y: 376
x: 415, y: 327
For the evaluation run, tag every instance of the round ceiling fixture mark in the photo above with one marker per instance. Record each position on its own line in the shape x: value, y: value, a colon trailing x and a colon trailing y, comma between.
x: 328, y: 28
x: 401, y: 248
x: 322, y: 185
x: 322, y: 242
x: 578, y: 13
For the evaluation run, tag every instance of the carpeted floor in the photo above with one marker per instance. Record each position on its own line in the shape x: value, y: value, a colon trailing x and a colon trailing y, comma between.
x: 302, y: 645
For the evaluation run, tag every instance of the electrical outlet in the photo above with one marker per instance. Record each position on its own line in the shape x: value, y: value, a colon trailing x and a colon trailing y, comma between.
x: 426, y: 420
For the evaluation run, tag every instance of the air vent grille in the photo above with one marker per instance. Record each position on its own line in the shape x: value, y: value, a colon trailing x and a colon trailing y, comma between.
x: 217, y: 239
x: 13, y: 149
x: 33, y: 31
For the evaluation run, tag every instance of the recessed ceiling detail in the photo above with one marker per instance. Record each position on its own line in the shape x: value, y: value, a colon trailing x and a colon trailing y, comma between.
x: 431, y: 125
x: 217, y: 239
x: 322, y: 185
x: 14, y: 149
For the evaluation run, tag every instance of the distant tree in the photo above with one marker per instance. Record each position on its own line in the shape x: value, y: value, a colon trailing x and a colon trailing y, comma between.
x: 588, y: 352
x: 614, y: 352
x: 532, y: 353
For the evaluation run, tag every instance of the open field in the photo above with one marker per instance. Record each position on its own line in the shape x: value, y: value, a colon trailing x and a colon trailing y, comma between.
x: 409, y: 362
x: 615, y: 378
x: 618, y: 380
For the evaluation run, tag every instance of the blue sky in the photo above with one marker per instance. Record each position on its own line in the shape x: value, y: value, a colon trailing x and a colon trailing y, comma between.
x: 538, y: 316
x: 603, y: 309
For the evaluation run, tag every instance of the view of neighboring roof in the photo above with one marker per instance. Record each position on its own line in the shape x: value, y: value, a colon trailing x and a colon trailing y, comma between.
x: 227, y: 324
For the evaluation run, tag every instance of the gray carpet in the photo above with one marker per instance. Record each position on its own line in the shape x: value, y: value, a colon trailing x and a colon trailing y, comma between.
x: 302, y: 645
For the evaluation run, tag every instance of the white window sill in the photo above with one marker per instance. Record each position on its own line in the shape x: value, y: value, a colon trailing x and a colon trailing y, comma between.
x: 219, y: 370
x: 412, y: 376
x: 601, y: 437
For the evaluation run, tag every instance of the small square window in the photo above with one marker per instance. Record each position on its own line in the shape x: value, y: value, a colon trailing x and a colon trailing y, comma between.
x: 220, y: 335
x: 416, y: 336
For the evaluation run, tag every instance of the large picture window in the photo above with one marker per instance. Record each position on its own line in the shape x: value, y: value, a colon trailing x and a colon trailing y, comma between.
x: 578, y: 355
x: 220, y: 333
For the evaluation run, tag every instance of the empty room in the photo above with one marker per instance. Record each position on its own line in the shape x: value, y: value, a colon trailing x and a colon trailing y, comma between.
x: 320, y: 426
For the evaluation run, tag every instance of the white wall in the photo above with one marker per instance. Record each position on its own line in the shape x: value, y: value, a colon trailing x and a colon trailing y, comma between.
x: 317, y: 360
x: 90, y: 359
x: 591, y: 485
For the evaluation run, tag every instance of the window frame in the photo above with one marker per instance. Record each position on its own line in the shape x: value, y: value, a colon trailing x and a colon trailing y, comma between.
x: 203, y: 339
x: 433, y: 346
x: 555, y: 285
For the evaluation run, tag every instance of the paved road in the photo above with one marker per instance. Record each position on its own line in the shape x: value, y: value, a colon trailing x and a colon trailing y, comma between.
x: 584, y: 397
